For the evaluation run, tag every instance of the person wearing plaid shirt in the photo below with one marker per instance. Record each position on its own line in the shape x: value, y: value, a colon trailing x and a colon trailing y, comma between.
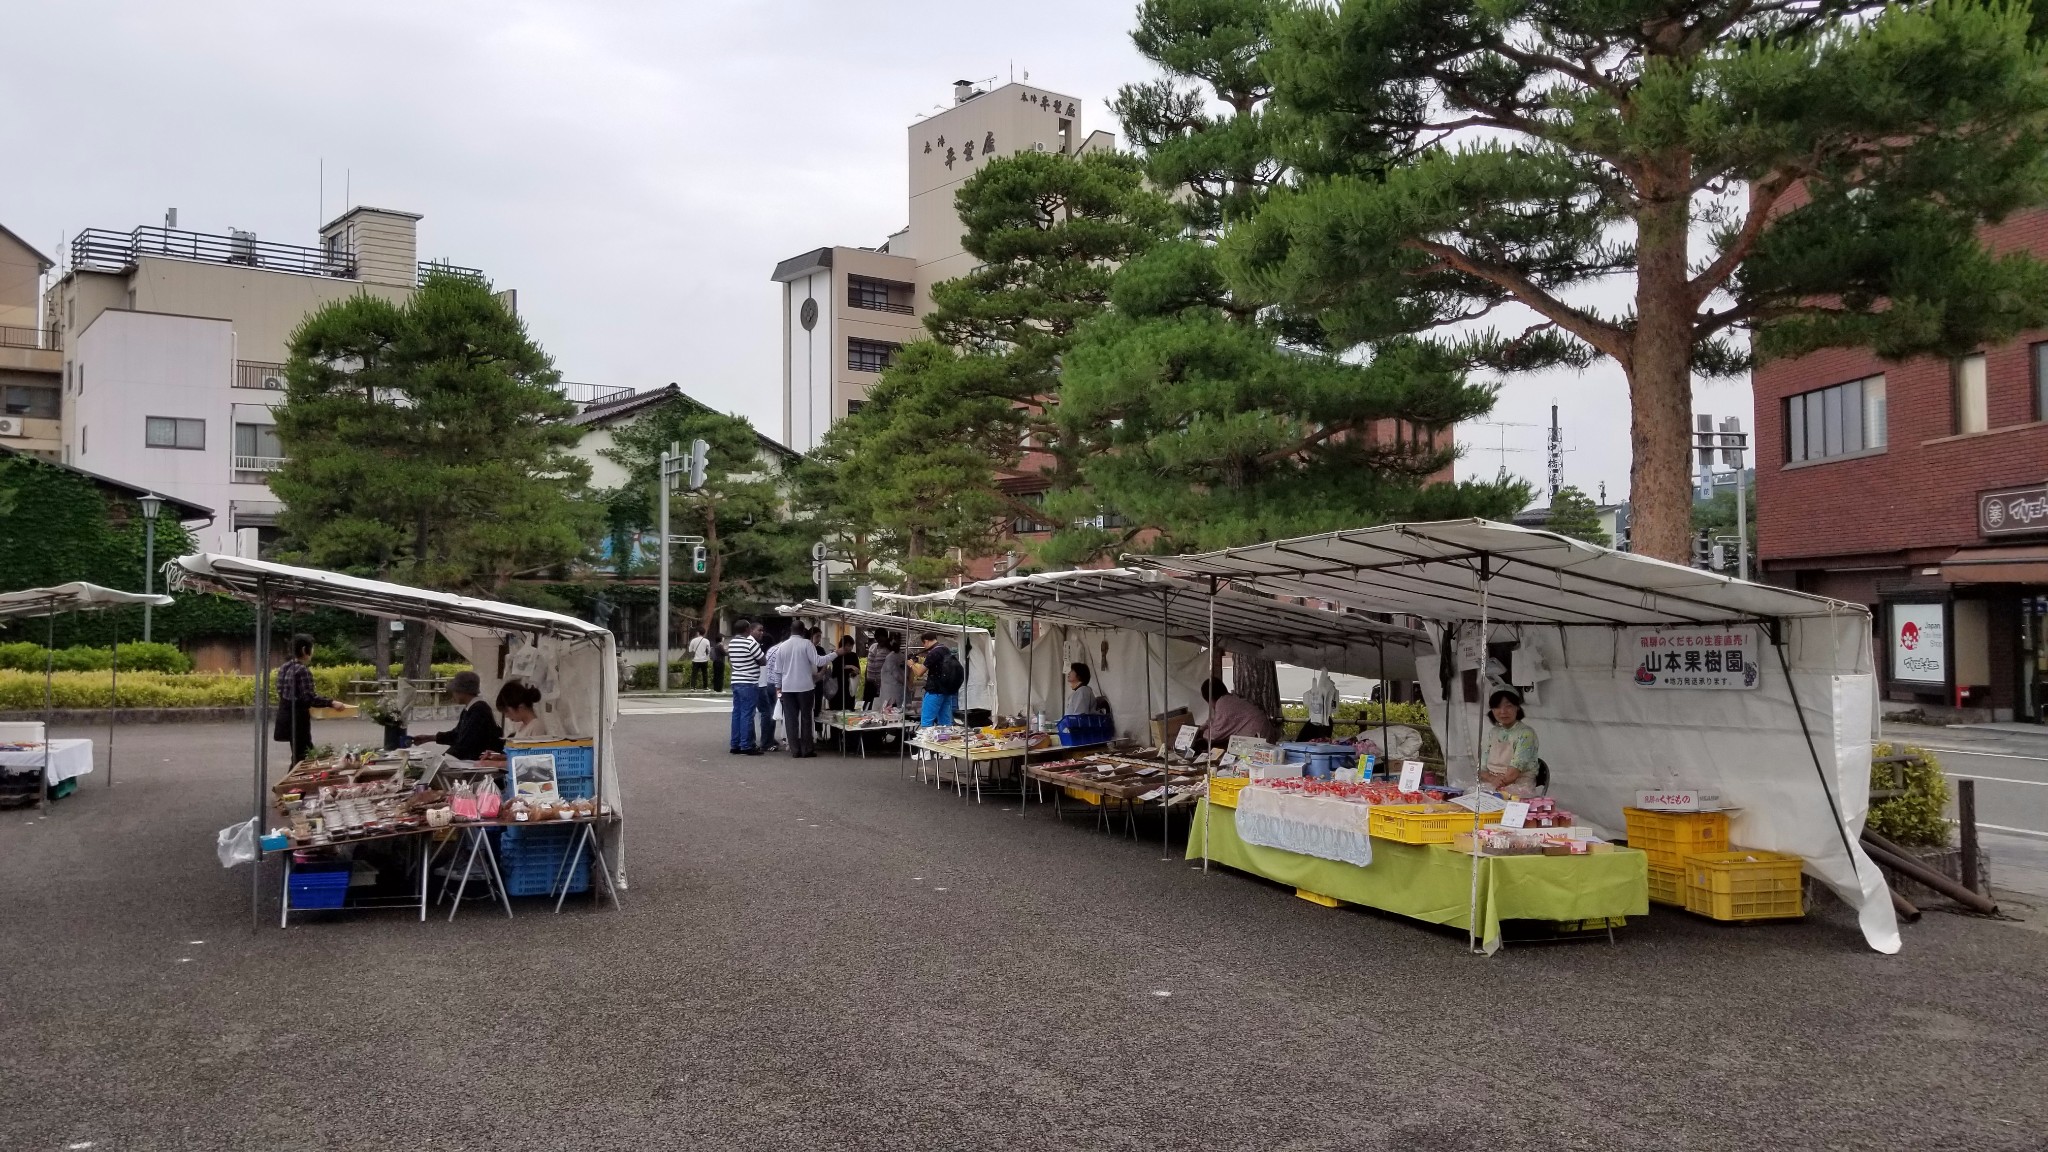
x: 296, y: 699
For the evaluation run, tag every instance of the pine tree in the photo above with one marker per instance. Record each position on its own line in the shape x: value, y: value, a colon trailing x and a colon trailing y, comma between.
x: 1573, y: 514
x: 1835, y: 158
x: 424, y: 442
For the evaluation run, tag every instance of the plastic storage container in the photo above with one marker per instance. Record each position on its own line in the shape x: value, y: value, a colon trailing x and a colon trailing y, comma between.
x: 1667, y: 886
x: 1320, y: 760
x: 530, y: 857
x: 319, y: 885
x: 1422, y: 823
x: 1086, y: 728
x: 1745, y: 884
x: 1669, y: 837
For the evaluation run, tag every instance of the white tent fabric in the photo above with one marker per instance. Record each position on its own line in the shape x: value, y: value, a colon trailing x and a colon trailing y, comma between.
x: 1793, y: 753
x: 77, y: 596
x: 1123, y: 662
x: 586, y: 671
x: 981, y: 689
x: 1155, y: 603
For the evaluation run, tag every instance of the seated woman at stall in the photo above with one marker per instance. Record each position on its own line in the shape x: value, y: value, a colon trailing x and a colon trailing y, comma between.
x: 1230, y: 716
x: 1081, y: 695
x: 1510, y: 747
x: 517, y: 701
x: 476, y: 730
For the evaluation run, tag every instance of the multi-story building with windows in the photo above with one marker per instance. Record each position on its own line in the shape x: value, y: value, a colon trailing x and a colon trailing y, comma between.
x: 846, y: 311
x: 173, y: 348
x: 31, y: 367
x: 1920, y: 489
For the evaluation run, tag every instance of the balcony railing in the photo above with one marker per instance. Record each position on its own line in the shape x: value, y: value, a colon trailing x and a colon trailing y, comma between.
x: 259, y: 375
x: 101, y: 250
x: 259, y: 463
x: 27, y: 337
x: 588, y: 394
x: 443, y: 268
x: 878, y: 306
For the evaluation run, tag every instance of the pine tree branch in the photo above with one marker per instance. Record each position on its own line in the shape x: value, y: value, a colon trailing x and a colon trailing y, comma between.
x: 1608, y: 338
x: 1764, y: 195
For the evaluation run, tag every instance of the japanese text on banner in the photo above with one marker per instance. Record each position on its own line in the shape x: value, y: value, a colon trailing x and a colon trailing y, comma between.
x: 1708, y: 657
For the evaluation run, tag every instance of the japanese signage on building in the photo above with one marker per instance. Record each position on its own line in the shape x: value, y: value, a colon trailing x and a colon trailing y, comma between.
x: 1919, y: 643
x: 1709, y: 656
x: 2010, y: 511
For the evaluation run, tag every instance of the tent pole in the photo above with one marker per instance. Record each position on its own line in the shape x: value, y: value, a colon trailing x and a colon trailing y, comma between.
x: 49, y: 670
x: 262, y: 679
x: 113, y: 699
x: 1472, y: 941
x: 1030, y: 673
x: 1208, y: 799
x: 1386, y: 689
x: 1165, y: 752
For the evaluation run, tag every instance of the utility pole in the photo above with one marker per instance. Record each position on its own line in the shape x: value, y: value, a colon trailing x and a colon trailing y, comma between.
x: 674, y: 464
x: 1556, y: 455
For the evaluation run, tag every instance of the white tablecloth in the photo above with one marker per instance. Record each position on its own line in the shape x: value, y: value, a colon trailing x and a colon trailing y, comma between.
x: 68, y: 758
x: 1320, y: 826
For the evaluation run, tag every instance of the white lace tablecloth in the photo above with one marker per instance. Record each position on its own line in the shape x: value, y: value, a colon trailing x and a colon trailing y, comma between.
x: 68, y: 758
x: 1319, y: 826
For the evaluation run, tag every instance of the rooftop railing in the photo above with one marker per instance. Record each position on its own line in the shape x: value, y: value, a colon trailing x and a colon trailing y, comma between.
x: 11, y: 337
x: 102, y: 250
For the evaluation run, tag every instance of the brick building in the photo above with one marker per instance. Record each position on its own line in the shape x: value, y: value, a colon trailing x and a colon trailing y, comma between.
x: 1921, y: 489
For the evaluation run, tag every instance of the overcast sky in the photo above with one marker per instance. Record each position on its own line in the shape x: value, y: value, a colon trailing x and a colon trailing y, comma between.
x: 635, y: 170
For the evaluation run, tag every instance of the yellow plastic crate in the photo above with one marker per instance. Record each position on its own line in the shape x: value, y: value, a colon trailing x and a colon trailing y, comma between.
x: 1224, y: 789
x: 1667, y: 886
x: 1670, y: 837
x: 1745, y: 884
x: 1422, y: 823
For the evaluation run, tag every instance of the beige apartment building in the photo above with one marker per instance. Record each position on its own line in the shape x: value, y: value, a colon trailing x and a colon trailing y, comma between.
x: 173, y: 346
x: 846, y: 311
x: 31, y: 367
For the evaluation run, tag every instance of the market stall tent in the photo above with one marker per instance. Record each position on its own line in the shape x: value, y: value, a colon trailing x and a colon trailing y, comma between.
x: 1791, y: 749
x: 77, y: 596
x: 572, y: 661
x: 981, y: 687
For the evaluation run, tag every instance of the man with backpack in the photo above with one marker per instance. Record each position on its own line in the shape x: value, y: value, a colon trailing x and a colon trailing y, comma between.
x: 943, y: 677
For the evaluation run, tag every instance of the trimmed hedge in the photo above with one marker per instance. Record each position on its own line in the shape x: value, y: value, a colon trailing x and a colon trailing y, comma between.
x: 23, y: 691
x: 1920, y: 817
x: 27, y: 656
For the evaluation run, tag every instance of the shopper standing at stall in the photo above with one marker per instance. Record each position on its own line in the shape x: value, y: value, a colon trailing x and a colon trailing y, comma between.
x: 943, y: 677
x: 296, y: 699
x: 889, y: 683
x: 767, y: 686
x: 700, y: 659
x: 796, y: 662
x: 744, y: 653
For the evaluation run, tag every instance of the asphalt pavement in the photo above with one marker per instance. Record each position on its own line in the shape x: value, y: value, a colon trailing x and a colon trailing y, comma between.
x: 821, y: 954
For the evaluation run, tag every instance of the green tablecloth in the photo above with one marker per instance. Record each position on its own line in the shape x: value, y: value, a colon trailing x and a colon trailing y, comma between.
x: 1433, y: 883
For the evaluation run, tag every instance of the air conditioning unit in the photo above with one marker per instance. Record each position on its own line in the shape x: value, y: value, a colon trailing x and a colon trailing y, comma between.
x: 13, y: 426
x: 274, y: 383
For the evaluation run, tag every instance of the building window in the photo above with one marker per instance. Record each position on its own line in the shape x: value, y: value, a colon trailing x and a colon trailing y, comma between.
x: 869, y: 355
x: 2041, y: 381
x: 866, y: 292
x: 1973, y: 407
x: 853, y: 406
x: 30, y: 401
x: 1838, y: 421
x: 257, y: 449
x: 174, y: 432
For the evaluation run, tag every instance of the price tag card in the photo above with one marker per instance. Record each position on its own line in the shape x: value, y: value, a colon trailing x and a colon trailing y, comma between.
x: 1184, y: 740
x: 1514, y: 815
x: 1411, y: 775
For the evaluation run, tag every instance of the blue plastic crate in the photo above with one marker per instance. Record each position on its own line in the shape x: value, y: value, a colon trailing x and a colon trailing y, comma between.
x: 575, y: 768
x: 539, y: 881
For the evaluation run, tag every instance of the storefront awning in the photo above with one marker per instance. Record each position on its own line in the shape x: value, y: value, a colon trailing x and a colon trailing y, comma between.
x: 2023, y: 564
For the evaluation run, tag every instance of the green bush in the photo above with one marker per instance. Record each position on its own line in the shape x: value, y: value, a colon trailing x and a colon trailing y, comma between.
x: 1352, y: 715
x: 1920, y: 816
x: 23, y: 691
x: 28, y: 656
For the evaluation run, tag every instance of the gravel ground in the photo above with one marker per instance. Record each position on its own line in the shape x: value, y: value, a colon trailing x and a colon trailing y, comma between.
x: 820, y: 954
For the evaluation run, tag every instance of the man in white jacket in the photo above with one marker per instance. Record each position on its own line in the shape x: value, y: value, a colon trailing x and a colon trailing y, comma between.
x: 794, y: 663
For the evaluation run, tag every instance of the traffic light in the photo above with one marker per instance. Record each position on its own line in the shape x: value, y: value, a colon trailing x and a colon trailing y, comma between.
x: 1702, y: 551
x: 700, y: 457
x: 700, y: 556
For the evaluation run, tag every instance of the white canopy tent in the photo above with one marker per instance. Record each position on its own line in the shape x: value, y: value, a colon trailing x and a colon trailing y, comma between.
x: 572, y: 661
x: 77, y: 596
x: 1791, y: 749
x: 981, y: 687
x: 1113, y: 619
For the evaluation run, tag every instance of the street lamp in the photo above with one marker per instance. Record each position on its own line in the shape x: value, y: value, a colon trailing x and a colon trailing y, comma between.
x: 151, y: 505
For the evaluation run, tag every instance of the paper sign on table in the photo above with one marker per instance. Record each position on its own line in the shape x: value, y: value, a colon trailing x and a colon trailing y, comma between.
x: 1184, y: 740
x: 1411, y: 775
x: 1514, y: 815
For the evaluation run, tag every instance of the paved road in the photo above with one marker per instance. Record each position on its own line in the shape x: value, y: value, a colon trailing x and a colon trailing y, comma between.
x: 2011, y: 771
x: 818, y: 954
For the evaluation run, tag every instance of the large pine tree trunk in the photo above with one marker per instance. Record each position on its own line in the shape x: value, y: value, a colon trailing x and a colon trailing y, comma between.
x: 1659, y: 371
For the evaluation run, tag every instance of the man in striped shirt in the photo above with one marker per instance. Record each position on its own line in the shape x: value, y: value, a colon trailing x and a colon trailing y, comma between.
x: 744, y: 654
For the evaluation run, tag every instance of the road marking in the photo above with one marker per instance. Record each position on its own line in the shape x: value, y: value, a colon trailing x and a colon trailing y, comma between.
x: 2000, y: 755
x: 2015, y: 831
x: 1995, y: 779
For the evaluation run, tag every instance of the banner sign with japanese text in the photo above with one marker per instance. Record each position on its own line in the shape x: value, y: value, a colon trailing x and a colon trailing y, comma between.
x: 1707, y: 656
